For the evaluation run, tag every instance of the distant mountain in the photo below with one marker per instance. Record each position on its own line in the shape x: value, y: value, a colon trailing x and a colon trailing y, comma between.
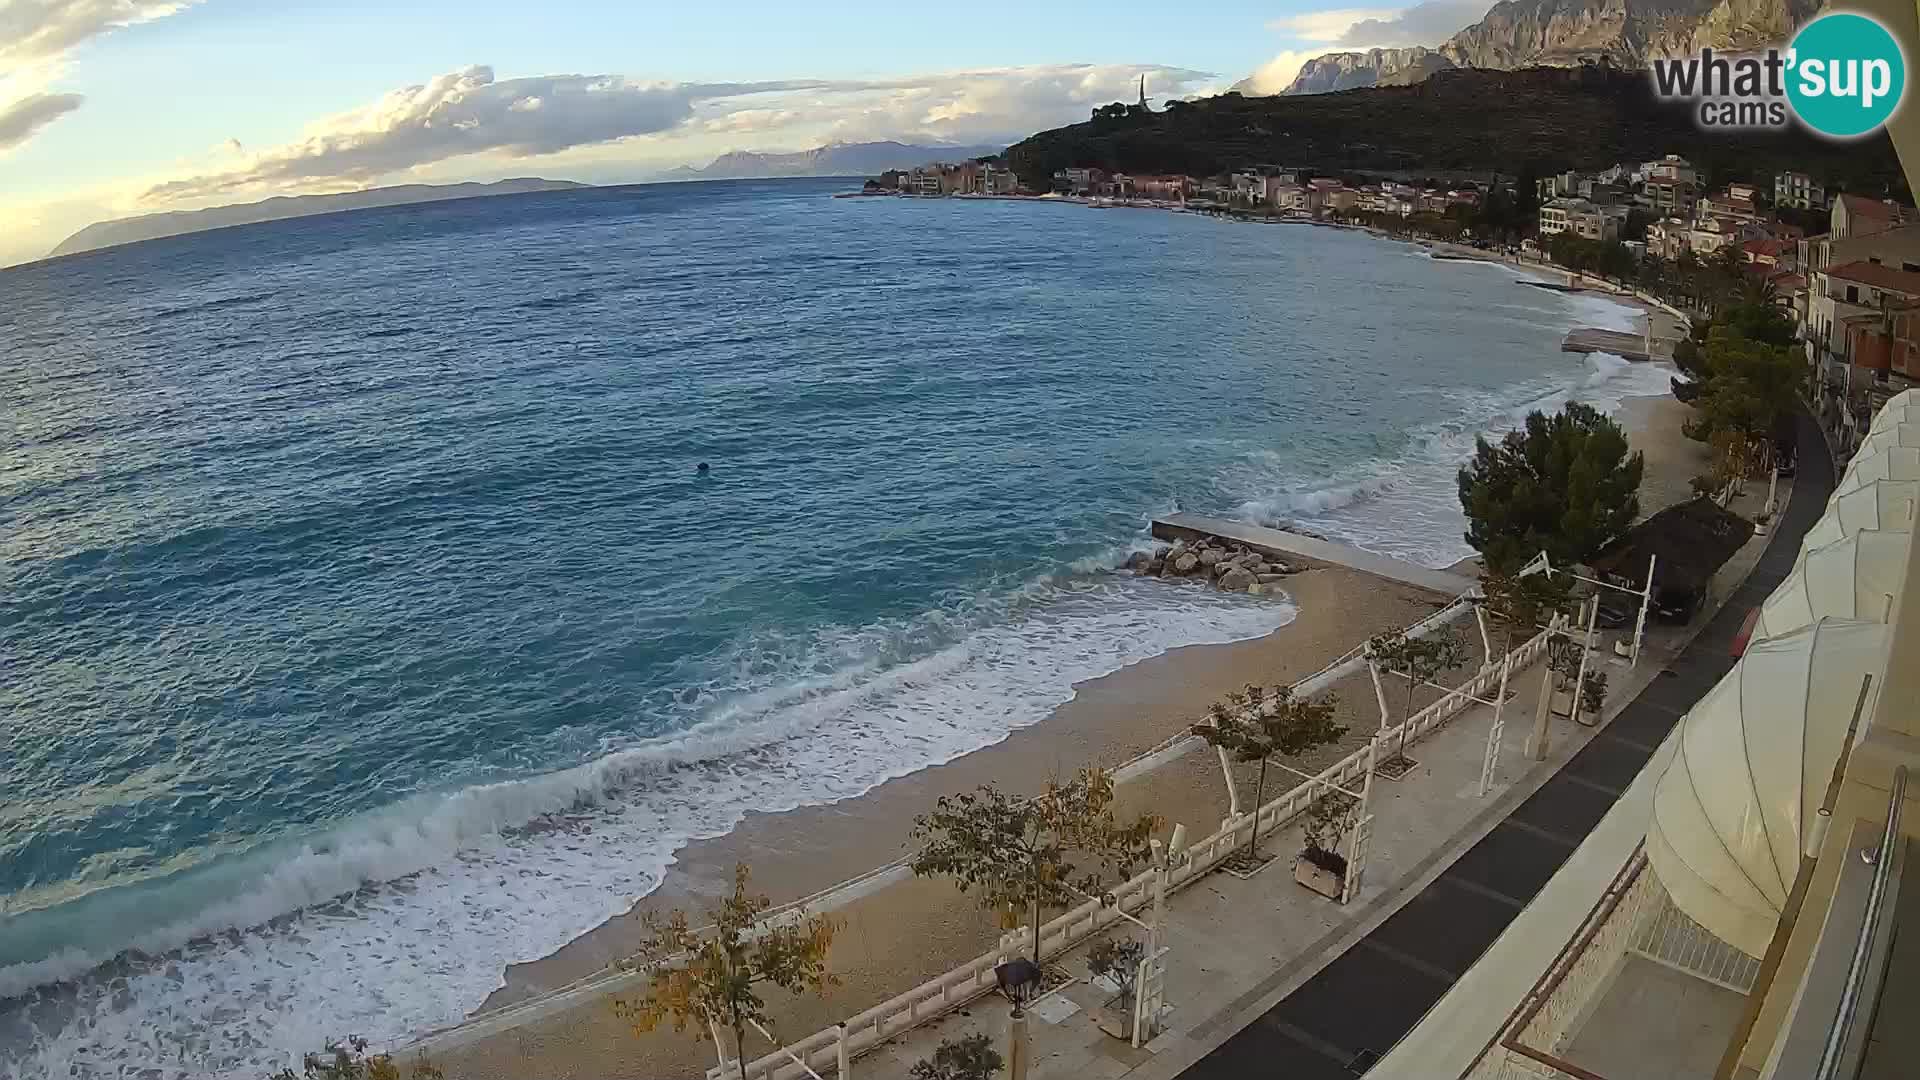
x: 1518, y: 34
x: 1374, y: 67
x: 175, y: 223
x: 837, y: 159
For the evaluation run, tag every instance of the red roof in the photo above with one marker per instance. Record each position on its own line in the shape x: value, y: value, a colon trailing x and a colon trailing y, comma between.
x: 1873, y: 208
x: 1765, y: 247
x: 1788, y: 280
x: 1880, y: 277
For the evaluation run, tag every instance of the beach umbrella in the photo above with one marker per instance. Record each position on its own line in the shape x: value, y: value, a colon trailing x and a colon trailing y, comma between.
x: 1855, y: 578
x: 1892, y: 463
x: 1887, y: 505
x: 1747, y: 769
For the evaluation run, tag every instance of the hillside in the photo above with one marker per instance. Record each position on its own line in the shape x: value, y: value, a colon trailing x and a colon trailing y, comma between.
x: 1566, y: 33
x: 129, y: 230
x: 837, y: 159
x: 1461, y: 121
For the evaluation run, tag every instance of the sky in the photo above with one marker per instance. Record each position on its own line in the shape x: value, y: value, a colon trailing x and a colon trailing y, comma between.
x: 116, y: 107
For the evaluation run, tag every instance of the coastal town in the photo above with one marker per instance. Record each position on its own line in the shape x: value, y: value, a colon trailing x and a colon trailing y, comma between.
x: 1846, y: 266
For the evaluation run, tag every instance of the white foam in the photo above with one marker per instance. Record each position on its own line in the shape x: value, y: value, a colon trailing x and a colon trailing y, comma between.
x: 396, y: 960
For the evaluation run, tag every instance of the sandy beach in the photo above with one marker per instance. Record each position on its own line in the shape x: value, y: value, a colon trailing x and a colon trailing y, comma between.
x: 906, y: 932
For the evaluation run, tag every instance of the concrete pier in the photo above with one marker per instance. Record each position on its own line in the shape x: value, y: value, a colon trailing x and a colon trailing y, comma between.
x: 1590, y: 339
x: 1298, y: 550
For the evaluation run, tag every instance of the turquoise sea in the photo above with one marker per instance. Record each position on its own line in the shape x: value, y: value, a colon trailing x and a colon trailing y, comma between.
x: 336, y: 552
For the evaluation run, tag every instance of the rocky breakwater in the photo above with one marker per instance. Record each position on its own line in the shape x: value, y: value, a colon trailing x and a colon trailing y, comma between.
x: 1230, y: 567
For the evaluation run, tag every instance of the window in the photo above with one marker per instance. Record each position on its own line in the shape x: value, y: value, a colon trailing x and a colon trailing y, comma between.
x: 1853, y: 294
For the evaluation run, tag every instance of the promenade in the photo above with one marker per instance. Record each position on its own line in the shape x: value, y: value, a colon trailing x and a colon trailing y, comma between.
x: 1265, y: 978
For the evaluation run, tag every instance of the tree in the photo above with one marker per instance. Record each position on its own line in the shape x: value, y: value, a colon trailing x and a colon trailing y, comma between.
x: 1522, y: 604
x: 1255, y: 724
x: 1033, y: 854
x: 709, y: 977
x: 349, y: 1061
x: 1326, y: 821
x: 1118, y: 960
x: 970, y: 1057
x: 1565, y: 484
x: 1419, y: 660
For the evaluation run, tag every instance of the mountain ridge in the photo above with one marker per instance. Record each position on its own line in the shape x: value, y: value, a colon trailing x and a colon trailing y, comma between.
x: 131, y: 230
x: 833, y: 159
x: 1516, y: 34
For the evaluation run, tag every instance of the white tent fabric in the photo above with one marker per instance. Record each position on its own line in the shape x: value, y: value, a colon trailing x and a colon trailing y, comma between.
x: 1855, y: 578
x: 1887, y: 505
x: 1887, y: 437
x: 1892, y: 463
x: 1901, y: 408
x: 1735, y: 807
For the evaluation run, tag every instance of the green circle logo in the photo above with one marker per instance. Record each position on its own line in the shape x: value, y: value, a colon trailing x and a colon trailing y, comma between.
x: 1846, y: 75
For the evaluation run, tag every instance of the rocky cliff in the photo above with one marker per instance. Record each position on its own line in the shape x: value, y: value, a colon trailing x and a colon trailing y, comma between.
x: 1566, y: 33
x: 1374, y: 67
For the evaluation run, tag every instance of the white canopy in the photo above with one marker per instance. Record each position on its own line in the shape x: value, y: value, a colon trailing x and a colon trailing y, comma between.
x: 1737, y: 803
x: 1901, y: 434
x: 1887, y: 505
x: 1854, y: 578
x: 1901, y: 408
x: 1892, y: 463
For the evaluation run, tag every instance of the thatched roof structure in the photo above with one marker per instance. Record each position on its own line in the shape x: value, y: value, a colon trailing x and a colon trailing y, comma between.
x: 1689, y: 541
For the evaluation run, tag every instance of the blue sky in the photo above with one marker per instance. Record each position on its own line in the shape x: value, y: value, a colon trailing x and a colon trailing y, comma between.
x: 110, y: 107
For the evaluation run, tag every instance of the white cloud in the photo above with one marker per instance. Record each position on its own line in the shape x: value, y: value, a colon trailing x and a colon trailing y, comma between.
x: 1329, y: 25
x: 20, y: 119
x: 1428, y: 23
x: 469, y: 113
x: 35, y: 38
x: 1316, y: 33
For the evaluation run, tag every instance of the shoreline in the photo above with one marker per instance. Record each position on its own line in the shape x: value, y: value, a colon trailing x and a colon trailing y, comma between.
x: 904, y: 932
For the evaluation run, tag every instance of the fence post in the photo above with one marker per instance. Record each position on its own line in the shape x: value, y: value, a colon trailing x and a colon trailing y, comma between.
x: 844, y: 1064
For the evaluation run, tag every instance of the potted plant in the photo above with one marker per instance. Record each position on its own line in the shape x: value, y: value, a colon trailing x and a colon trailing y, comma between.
x: 1115, y: 964
x: 1320, y: 866
x: 1593, y: 695
x: 1563, y: 657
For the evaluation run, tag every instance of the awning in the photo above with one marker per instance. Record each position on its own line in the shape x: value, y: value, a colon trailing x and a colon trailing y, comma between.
x: 1892, y: 463
x: 1855, y: 578
x: 1887, y: 505
x: 1884, y: 438
x: 1737, y: 803
x: 1901, y: 408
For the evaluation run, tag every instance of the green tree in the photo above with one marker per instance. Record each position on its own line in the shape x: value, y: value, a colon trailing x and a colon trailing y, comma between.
x: 970, y: 1057
x: 1521, y: 604
x: 1033, y: 854
x: 1748, y: 383
x: 349, y: 1060
x: 1566, y: 484
x: 711, y: 977
x: 1255, y: 724
x: 1418, y: 660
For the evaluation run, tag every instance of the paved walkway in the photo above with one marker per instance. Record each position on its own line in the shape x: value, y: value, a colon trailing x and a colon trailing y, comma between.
x: 1353, y: 1010
x: 1267, y: 979
x: 1296, y: 546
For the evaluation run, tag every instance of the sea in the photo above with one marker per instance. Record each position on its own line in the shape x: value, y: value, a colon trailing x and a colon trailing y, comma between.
x: 368, y: 624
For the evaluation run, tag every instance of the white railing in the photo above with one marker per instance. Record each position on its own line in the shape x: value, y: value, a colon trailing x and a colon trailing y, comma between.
x: 935, y: 997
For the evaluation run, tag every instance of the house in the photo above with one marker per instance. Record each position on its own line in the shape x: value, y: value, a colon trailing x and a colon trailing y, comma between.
x: 996, y: 180
x: 1078, y: 181
x: 1579, y: 217
x: 1169, y: 188
x: 1668, y: 239
x: 1857, y: 215
x: 1735, y: 203
x: 927, y: 180
x: 1797, y: 189
x: 1768, y: 253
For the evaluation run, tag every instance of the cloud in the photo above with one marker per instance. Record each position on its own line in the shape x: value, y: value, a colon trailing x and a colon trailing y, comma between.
x: 41, y: 31
x: 1329, y: 25
x: 35, y: 38
x: 469, y: 112
x: 20, y: 119
x: 1428, y: 23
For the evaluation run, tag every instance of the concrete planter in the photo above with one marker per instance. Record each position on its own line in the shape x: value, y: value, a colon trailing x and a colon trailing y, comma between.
x: 1328, y: 883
